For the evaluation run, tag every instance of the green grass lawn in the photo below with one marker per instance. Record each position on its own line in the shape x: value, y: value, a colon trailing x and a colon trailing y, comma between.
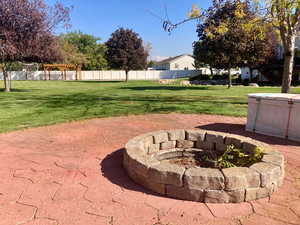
x: 36, y: 103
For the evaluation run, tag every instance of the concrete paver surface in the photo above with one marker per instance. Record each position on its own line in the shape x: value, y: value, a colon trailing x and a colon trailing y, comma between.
x: 71, y: 174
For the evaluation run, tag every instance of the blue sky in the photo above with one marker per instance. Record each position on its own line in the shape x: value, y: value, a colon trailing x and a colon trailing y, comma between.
x: 101, y: 18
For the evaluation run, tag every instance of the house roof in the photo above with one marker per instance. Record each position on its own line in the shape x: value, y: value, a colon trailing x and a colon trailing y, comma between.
x: 171, y: 59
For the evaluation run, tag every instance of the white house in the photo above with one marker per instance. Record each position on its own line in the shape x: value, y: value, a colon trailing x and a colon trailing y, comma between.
x: 297, y: 47
x: 245, y: 74
x: 181, y: 62
x: 298, y: 42
x: 187, y: 62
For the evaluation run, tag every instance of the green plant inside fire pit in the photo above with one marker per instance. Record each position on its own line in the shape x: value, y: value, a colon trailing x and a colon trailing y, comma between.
x: 232, y: 157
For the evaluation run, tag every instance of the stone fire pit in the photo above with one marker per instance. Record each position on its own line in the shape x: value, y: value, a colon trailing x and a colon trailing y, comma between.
x: 150, y: 160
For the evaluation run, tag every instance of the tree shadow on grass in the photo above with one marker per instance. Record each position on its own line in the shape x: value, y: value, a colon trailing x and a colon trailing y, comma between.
x: 83, y: 99
x: 94, y: 105
x: 240, y: 129
x: 169, y: 88
x: 16, y: 90
x: 112, y: 168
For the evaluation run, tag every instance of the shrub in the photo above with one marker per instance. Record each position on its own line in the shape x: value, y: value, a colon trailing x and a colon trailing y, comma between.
x: 220, y: 77
x: 201, y: 77
x: 232, y: 157
x: 246, y: 82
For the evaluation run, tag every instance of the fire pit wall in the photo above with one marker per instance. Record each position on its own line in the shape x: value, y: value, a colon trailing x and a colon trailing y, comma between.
x: 146, y: 161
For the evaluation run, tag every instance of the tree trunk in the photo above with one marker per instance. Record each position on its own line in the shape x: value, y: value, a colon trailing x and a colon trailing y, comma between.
x: 211, y: 71
x: 9, y: 79
x: 289, y: 53
x: 6, y: 81
x: 229, y: 78
x: 126, y: 80
x: 251, y: 74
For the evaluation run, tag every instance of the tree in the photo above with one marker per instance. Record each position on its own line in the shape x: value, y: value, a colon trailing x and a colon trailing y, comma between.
x: 204, y: 55
x: 260, y: 49
x: 232, y: 34
x: 26, y: 28
x: 151, y: 63
x: 70, y: 53
x: 222, y: 43
x: 125, y: 51
x: 89, y: 47
x: 147, y: 47
x: 285, y: 16
x: 251, y: 35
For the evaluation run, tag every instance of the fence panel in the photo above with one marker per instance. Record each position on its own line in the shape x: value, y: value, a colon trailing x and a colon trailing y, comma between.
x: 104, y: 75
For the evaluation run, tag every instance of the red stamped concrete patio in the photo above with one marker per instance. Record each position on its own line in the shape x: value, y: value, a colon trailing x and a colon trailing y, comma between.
x: 71, y: 174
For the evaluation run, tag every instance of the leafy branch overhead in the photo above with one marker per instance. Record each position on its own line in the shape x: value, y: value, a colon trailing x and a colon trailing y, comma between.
x: 194, y: 14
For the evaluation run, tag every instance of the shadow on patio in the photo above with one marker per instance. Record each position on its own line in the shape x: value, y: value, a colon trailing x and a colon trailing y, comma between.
x: 239, y: 129
x: 112, y: 168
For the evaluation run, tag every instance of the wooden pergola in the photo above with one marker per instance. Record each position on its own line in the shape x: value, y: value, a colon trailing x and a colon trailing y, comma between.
x: 63, y: 68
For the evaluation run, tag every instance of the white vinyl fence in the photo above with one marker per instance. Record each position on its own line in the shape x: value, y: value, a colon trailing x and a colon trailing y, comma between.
x: 38, y: 75
x: 104, y: 75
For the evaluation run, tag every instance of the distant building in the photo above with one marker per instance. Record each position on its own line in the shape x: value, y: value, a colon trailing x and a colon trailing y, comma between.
x: 280, y: 52
x: 181, y: 62
x: 298, y: 42
x: 280, y: 55
x: 245, y: 74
